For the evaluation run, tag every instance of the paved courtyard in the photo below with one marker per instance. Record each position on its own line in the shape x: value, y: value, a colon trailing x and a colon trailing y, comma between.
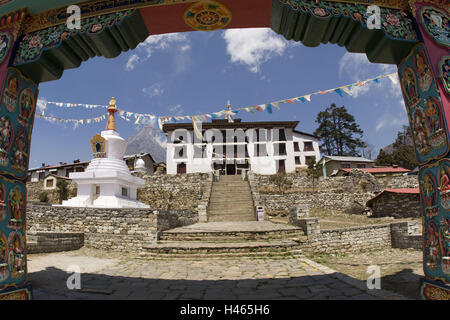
x: 117, y: 276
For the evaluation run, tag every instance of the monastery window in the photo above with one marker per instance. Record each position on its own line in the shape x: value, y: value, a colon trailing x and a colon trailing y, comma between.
x: 124, y: 192
x: 180, y: 152
x: 97, y: 190
x: 296, y: 146
x: 345, y: 165
x: 49, y: 183
x: 260, y: 150
x: 308, y: 146
x: 281, y: 135
x: 297, y: 160
x: 200, y: 151
x: 41, y: 175
x: 361, y: 165
x: 310, y: 159
x: 279, y: 149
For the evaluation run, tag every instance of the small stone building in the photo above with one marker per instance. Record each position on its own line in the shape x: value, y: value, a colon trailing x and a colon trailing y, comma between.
x: 397, y: 203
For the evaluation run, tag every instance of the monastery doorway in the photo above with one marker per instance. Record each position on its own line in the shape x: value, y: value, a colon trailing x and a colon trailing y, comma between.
x: 38, y: 45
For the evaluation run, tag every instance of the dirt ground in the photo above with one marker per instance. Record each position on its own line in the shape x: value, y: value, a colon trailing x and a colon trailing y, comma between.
x: 401, y: 269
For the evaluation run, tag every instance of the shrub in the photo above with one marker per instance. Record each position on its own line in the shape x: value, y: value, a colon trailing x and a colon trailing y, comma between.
x: 281, y: 181
x: 62, y: 189
x: 43, y: 197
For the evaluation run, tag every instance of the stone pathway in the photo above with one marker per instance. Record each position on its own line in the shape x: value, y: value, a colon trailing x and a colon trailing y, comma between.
x: 124, y: 277
x: 242, y: 226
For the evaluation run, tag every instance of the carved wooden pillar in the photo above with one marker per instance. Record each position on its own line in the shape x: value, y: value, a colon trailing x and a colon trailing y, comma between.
x: 18, y: 97
x: 424, y: 75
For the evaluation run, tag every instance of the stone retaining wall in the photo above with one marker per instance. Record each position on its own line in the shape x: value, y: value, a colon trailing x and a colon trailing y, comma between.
x: 347, y: 194
x: 45, y: 242
x: 114, y: 229
x: 406, y: 235
x: 34, y: 189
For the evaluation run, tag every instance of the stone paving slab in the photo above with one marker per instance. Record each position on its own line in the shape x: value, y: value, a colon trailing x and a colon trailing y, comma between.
x: 208, y: 278
x: 241, y: 226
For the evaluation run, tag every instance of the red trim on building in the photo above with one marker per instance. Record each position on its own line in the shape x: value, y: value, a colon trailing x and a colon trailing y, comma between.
x: 380, y: 170
x: 398, y: 191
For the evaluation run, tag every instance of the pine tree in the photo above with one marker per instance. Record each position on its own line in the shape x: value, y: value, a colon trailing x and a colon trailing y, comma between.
x: 338, y: 132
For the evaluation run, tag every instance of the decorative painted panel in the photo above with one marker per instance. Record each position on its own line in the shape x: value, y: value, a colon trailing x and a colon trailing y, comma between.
x: 436, y: 23
x: 435, y: 192
x: 444, y: 73
x: 17, y: 109
x: 395, y: 23
x: 13, y: 271
x: 424, y: 106
x: 33, y: 44
x: 431, y: 290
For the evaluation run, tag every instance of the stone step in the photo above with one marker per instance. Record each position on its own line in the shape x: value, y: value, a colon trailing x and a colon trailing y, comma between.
x: 211, y: 248
x: 232, y: 203
x: 228, y: 218
x: 252, y: 255
x: 230, y: 212
x: 232, y: 236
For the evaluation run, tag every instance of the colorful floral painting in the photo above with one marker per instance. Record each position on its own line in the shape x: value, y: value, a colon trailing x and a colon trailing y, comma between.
x: 437, y: 24
x: 395, y: 23
x: 3, y: 211
x: 27, y: 104
x: 409, y: 87
x: 4, y: 250
x: 6, y: 137
x: 207, y: 16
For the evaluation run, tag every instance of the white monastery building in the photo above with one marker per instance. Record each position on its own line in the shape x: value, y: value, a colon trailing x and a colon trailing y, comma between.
x: 107, y: 181
x: 230, y: 146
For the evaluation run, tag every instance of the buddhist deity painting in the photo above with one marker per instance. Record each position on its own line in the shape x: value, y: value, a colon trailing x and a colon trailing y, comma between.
x: 5, y: 41
x: 16, y: 256
x: 409, y: 87
x: 16, y: 208
x: 444, y: 185
x: 444, y: 70
x: 424, y: 74
x: 432, y: 250
x: 424, y: 106
x: 98, y: 145
x: 434, y: 122
x: 6, y: 137
x: 444, y: 243
x: 3, y: 257
x: 3, y: 211
x: 19, y: 157
x: 11, y: 91
x: 27, y: 105
x: 429, y: 193
x: 421, y: 132
x: 437, y: 24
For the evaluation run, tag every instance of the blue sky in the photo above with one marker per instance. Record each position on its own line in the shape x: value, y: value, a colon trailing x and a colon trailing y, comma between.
x: 197, y: 72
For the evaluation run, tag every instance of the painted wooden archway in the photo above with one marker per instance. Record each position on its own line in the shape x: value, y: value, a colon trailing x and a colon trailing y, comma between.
x: 36, y: 46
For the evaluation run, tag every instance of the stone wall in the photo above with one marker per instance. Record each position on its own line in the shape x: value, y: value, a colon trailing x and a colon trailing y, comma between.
x: 347, y: 194
x: 396, y: 205
x: 114, y: 229
x: 348, y: 240
x: 406, y: 235
x: 35, y: 188
x: 175, y: 192
x: 44, y: 242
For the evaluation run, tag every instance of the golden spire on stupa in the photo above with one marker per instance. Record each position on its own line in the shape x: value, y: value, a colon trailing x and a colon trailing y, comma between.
x: 111, y: 125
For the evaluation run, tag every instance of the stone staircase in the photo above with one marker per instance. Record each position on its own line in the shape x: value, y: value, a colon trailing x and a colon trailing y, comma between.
x: 231, y: 200
x: 228, y: 239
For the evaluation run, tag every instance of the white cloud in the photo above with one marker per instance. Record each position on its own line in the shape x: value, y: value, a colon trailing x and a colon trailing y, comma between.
x: 157, y: 43
x: 176, y: 110
x: 132, y: 61
x: 154, y: 90
x: 253, y: 47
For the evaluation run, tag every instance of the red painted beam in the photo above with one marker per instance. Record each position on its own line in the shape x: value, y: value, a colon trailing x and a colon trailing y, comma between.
x: 170, y: 18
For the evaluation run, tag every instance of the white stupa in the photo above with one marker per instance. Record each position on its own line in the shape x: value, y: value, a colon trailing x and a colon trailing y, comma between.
x: 107, y: 181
